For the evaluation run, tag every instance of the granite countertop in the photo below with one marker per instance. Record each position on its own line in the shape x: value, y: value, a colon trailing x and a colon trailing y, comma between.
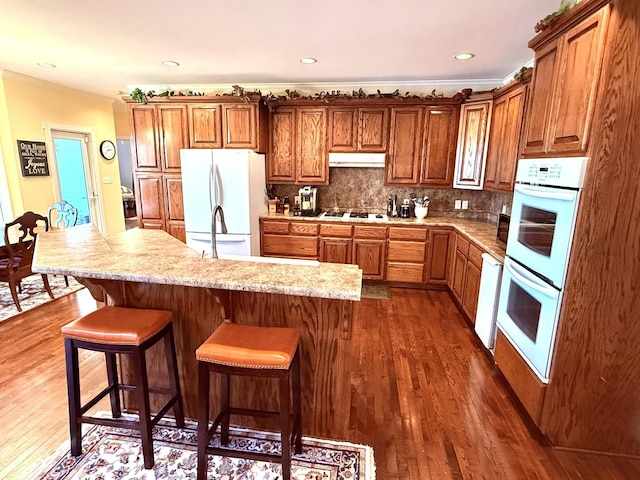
x: 154, y: 256
x: 481, y: 233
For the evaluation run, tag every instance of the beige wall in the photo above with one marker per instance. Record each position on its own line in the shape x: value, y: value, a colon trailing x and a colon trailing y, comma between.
x: 26, y: 105
x: 121, y: 119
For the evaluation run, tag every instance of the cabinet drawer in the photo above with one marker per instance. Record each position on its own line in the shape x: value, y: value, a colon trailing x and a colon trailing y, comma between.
x: 412, y: 252
x: 407, y: 233
x: 290, y: 246
x: 529, y: 389
x: 304, y: 228
x: 405, y: 272
x: 335, y: 230
x: 475, y: 255
x: 369, y: 232
x: 462, y: 244
x: 279, y: 228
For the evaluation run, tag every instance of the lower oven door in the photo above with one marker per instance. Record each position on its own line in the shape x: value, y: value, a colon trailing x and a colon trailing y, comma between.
x: 528, y: 314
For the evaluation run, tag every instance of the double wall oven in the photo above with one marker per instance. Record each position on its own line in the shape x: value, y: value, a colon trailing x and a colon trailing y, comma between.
x: 545, y: 204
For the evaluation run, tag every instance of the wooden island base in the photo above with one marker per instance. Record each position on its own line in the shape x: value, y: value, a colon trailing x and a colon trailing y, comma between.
x: 324, y: 325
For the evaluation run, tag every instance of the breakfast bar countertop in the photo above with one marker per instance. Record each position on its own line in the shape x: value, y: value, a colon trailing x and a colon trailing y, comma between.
x: 145, y: 255
x: 482, y: 233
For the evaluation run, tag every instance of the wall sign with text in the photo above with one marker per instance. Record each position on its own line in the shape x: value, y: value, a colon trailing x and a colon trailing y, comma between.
x: 33, y: 158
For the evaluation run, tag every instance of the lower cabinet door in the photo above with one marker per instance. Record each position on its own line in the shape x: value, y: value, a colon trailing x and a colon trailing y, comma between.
x: 459, y: 268
x: 335, y: 250
x: 369, y: 256
x: 471, y: 291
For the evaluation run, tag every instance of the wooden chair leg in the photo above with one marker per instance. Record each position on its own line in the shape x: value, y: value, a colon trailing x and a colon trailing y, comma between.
x: 174, y: 381
x: 112, y: 377
x: 73, y: 393
x: 14, y: 293
x: 297, y: 402
x: 285, y: 427
x: 45, y: 280
x: 142, y: 398
x: 203, y: 419
x: 66, y: 281
x: 225, y: 391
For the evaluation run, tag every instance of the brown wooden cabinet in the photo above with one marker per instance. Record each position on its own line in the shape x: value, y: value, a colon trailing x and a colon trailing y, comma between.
x: 150, y: 200
x: 471, y: 151
x: 406, y: 254
x: 174, y: 211
x: 353, y: 129
x: 239, y: 124
x: 369, y: 250
x: 335, y: 243
x: 282, y: 238
x: 438, y: 257
x: 564, y: 86
x: 403, y: 164
x: 466, y: 269
x: 144, y: 138
x: 504, y: 137
x: 298, y: 146
x: 205, y: 125
x: 439, y: 146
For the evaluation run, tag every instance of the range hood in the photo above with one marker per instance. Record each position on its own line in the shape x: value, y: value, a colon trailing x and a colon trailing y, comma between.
x: 375, y: 160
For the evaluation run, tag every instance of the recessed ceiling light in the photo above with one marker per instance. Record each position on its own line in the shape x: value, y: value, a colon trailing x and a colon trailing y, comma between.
x: 464, y: 56
x: 170, y: 63
x: 46, y: 65
x: 308, y: 60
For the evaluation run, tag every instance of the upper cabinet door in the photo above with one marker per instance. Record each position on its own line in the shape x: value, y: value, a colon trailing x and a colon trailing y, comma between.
x: 174, y: 134
x: 144, y: 138
x: 405, y: 145
x: 475, y: 119
x: 239, y: 126
x: 343, y: 129
x: 373, y: 130
x: 541, y: 98
x: 439, y: 150
x: 205, y: 126
x: 581, y: 51
x: 281, y: 160
x: 564, y: 88
x: 504, y: 140
x: 312, y: 158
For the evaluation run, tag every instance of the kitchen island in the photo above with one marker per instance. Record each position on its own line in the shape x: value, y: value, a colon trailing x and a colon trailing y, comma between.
x: 151, y: 269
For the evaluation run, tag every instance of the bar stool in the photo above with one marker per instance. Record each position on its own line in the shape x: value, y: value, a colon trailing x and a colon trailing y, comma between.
x: 245, y: 350
x: 129, y: 331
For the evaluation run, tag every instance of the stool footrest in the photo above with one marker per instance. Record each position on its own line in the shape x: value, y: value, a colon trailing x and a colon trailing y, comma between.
x: 96, y: 399
x: 228, y: 452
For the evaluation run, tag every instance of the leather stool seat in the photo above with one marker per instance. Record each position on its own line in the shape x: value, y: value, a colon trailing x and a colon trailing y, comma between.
x: 124, y: 331
x: 245, y: 350
x: 250, y: 347
x: 117, y: 325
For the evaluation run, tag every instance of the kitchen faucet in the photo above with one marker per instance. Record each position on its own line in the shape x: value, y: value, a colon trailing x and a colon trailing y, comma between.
x: 214, y: 214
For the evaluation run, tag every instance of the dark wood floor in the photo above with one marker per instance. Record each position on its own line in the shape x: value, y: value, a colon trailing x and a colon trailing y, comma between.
x: 423, y: 394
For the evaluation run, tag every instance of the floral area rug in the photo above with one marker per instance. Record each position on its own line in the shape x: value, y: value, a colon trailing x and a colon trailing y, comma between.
x: 33, y: 293
x: 109, y: 452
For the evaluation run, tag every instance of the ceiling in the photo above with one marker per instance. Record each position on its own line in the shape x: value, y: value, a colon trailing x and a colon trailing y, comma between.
x: 107, y: 48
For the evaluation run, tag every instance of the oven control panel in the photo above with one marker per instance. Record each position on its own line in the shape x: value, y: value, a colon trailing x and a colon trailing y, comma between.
x: 557, y: 172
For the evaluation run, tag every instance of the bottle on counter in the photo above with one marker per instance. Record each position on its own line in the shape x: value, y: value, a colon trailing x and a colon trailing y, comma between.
x: 279, y: 206
x: 286, y: 205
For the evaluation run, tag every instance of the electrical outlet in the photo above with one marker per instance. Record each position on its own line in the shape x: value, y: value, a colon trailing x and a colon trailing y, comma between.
x: 457, y: 205
x: 465, y: 204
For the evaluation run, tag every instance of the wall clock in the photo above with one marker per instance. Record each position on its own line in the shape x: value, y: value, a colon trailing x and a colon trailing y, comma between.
x: 108, y: 149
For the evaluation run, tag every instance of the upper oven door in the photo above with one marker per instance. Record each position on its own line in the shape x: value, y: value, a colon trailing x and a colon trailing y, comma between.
x: 527, y: 315
x: 541, y: 228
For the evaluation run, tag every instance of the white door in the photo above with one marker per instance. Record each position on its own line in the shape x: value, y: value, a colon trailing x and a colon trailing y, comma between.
x: 231, y: 189
x: 76, y: 175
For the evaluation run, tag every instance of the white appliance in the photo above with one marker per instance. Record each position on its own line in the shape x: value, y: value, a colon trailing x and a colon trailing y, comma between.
x: 233, y: 179
x: 369, y: 160
x: 545, y: 204
x: 485, y: 325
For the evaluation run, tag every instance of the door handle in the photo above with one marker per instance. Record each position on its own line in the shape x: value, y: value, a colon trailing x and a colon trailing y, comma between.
x: 523, y: 277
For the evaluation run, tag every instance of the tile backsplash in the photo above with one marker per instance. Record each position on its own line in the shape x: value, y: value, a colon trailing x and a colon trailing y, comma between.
x: 364, y: 189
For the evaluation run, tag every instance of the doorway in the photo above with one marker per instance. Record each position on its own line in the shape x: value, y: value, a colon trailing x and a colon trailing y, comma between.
x: 75, y: 174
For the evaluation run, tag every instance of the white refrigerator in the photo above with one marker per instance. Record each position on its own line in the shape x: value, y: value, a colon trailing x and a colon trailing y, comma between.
x: 233, y: 179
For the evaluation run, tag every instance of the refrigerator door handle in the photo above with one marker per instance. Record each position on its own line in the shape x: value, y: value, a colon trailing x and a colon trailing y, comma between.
x: 210, y: 186
x: 218, y: 185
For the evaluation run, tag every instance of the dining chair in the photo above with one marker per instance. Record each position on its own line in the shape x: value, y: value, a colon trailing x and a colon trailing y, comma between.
x: 62, y: 215
x: 17, y: 263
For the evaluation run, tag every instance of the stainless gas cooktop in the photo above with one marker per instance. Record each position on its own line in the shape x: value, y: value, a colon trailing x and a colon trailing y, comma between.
x: 347, y: 215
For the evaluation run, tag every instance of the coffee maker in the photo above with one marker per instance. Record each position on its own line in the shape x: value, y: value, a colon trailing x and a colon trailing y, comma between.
x: 309, y: 201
